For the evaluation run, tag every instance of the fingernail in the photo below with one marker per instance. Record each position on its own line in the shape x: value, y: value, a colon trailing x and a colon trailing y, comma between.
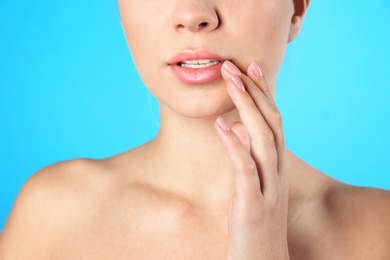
x: 222, y: 123
x: 231, y: 68
x: 238, y: 83
x: 256, y: 69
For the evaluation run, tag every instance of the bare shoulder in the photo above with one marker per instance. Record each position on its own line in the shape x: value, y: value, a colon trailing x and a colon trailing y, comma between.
x: 360, y: 220
x: 340, y: 221
x: 360, y: 201
x: 50, y: 202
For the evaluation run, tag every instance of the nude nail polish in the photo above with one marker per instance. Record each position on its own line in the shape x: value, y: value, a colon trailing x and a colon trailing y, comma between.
x: 238, y: 83
x: 231, y: 68
x: 256, y: 69
x: 222, y: 123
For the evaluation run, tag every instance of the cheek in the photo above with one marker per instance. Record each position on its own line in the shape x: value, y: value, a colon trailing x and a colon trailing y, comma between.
x: 141, y: 41
x: 272, y: 47
x: 138, y: 23
x: 264, y: 37
x: 145, y: 24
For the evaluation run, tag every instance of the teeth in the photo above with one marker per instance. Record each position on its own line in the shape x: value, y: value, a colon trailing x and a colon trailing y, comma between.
x: 198, y: 64
x: 196, y: 61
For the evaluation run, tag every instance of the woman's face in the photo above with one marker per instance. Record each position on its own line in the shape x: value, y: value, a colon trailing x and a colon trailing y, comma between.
x: 162, y: 34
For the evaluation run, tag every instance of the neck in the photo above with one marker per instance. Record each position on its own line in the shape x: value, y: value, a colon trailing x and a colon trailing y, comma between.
x: 190, y: 161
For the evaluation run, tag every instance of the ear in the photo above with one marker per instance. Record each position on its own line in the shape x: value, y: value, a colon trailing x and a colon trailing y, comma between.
x: 300, y: 8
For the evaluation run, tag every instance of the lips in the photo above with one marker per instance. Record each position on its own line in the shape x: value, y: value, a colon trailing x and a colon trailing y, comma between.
x: 199, y: 67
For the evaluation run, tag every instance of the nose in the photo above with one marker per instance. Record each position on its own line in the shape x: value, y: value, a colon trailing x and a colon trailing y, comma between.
x: 195, y: 16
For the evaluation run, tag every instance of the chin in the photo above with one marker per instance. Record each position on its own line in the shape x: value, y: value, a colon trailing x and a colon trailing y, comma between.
x: 203, y: 110
x: 193, y: 101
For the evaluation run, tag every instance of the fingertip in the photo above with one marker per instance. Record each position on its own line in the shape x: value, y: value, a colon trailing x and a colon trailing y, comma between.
x: 229, y: 69
x: 222, y: 124
x: 256, y: 70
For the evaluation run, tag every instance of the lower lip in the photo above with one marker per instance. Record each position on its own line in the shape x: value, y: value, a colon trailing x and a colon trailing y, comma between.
x: 197, y: 76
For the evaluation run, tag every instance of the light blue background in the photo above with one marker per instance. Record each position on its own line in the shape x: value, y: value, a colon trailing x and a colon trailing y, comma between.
x: 68, y: 89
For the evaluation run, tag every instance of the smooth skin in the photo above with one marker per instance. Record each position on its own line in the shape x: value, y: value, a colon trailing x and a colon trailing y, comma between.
x: 257, y: 217
x: 217, y: 182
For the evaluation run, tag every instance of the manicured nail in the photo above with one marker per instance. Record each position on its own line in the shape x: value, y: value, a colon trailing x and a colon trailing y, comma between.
x: 238, y: 83
x: 222, y: 123
x: 231, y: 68
x: 256, y: 69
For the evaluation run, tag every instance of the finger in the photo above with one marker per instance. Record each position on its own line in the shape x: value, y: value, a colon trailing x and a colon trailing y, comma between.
x: 260, y: 134
x: 239, y: 129
x: 258, y: 91
x: 229, y: 70
x: 256, y: 74
x: 247, y: 182
x: 257, y: 87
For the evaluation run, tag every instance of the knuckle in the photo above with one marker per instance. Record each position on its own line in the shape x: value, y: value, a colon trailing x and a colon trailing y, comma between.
x: 277, y: 118
x: 235, y: 142
x: 247, y: 168
x: 269, y: 139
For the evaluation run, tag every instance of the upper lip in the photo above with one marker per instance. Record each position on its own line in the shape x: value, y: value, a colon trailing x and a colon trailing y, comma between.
x: 195, y: 55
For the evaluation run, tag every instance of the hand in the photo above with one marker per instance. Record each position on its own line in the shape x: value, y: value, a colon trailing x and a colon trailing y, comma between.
x: 257, y: 215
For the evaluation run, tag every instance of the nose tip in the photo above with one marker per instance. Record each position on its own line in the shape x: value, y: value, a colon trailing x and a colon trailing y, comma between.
x: 195, y: 18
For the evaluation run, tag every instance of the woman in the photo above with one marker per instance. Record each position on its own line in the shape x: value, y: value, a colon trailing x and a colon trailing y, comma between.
x: 217, y: 181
